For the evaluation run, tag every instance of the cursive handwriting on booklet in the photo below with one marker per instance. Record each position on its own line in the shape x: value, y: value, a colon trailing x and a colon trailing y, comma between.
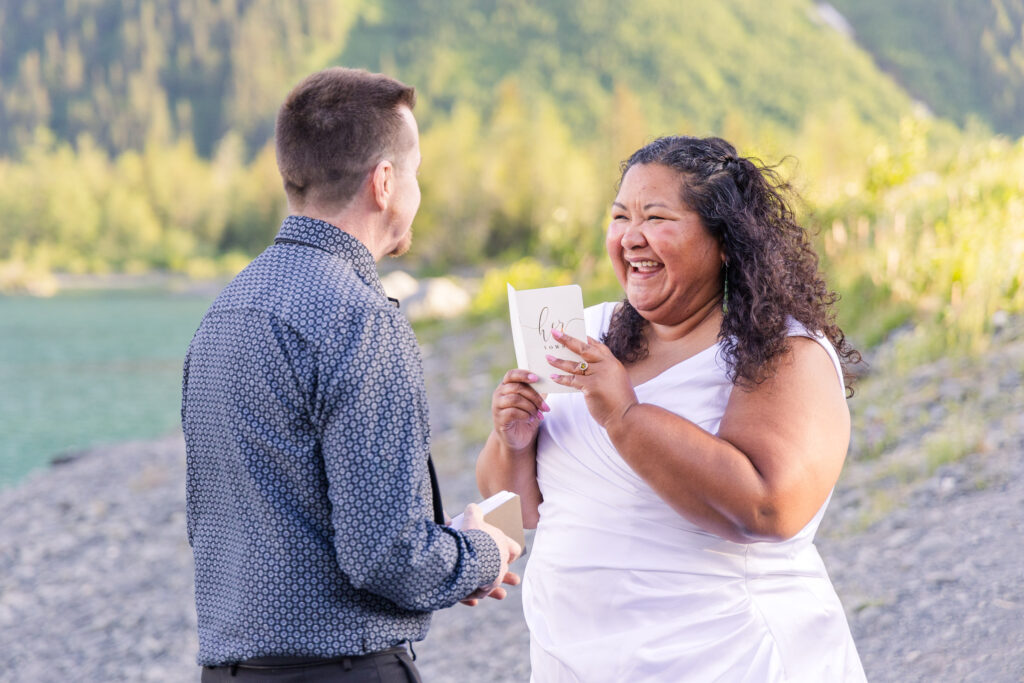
x: 545, y: 327
x: 535, y: 314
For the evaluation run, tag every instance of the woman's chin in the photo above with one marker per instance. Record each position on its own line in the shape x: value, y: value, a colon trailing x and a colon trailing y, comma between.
x: 643, y: 304
x: 642, y: 297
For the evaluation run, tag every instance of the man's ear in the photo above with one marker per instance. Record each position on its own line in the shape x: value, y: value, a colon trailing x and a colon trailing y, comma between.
x: 382, y: 183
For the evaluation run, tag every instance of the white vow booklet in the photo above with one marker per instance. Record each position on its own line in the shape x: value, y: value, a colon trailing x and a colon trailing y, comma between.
x: 504, y: 511
x: 535, y: 313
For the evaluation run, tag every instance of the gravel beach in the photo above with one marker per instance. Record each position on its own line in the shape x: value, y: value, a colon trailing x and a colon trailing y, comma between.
x: 923, y: 541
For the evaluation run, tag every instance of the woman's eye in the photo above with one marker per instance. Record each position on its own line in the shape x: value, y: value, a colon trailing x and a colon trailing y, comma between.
x: 619, y: 217
x: 655, y: 218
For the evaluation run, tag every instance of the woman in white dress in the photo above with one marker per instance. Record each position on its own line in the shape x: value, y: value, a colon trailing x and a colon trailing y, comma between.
x: 677, y: 493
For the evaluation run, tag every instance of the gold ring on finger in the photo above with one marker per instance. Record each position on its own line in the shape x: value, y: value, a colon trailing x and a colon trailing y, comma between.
x: 582, y: 367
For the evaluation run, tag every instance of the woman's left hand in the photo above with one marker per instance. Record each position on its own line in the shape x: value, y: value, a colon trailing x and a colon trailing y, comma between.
x: 600, y: 376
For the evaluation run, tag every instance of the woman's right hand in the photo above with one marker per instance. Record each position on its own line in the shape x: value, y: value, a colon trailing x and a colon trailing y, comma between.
x: 517, y: 409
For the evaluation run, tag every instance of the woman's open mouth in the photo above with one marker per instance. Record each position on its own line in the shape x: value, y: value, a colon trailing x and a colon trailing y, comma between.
x: 644, y: 267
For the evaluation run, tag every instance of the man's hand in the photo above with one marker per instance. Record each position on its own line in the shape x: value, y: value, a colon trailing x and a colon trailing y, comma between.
x: 474, y: 519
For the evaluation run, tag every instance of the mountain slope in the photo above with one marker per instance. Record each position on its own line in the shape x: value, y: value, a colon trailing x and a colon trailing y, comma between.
x: 962, y: 57
x: 132, y: 72
x: 691, y: 65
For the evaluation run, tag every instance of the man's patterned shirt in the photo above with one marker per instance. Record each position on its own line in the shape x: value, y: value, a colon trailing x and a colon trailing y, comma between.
x: 308, y: 496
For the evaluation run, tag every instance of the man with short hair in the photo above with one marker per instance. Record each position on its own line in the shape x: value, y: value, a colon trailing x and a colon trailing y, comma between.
x: 312, y: 506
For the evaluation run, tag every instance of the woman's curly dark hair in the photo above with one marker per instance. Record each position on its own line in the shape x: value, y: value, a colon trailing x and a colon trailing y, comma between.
x: 771, y: 267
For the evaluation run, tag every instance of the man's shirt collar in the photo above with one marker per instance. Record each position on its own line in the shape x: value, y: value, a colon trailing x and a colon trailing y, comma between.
x: 318, y: 234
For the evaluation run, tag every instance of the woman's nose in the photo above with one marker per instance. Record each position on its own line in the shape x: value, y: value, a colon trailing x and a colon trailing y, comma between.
x: 633, y: 236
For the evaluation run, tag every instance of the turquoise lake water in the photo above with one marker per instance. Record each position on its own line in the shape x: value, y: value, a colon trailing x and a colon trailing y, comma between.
x: 86, y: 368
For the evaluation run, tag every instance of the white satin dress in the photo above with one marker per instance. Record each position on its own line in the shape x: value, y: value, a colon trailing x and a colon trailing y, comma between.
x: 621, y: 588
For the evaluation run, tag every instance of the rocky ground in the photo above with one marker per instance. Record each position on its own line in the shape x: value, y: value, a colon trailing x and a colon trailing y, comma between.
x: 923, y: 538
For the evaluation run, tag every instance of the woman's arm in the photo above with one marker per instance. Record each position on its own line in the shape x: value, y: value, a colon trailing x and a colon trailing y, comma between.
x: 778, y: 452
x: 508, y: 460
x: 499, y: 468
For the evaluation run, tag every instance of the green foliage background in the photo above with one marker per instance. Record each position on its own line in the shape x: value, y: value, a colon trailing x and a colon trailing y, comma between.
x: 136, y: 135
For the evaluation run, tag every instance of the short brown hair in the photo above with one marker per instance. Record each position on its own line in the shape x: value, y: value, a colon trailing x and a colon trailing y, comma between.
x: 334, y: 127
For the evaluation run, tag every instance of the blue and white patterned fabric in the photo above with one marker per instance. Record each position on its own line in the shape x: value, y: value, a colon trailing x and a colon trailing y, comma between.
x: 308, y: 497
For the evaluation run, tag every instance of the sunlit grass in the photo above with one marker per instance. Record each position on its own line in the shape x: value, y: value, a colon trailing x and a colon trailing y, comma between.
x: 939, y: 253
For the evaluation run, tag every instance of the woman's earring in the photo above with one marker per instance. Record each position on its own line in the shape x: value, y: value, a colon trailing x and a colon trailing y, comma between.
x: 725, y: 291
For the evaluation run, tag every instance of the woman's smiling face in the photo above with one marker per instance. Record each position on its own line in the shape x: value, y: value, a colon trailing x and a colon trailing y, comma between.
x: 665, y: 258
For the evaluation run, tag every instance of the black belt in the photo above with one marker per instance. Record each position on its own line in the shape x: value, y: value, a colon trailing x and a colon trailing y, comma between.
x: 284, y: 663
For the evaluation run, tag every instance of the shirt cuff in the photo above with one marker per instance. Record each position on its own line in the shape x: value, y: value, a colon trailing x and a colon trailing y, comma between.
x: 487, y: 554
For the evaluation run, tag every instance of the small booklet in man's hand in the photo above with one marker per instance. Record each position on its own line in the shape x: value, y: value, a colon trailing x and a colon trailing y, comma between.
x: 503, y: 511
x: 535, y: 313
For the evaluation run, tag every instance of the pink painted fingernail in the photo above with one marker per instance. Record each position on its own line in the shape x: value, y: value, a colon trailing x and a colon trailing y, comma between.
x: 544, y: 405
x: 532, y: 377
x: 550, y: 358
x: 540, y: 416
x: 556, y: 333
